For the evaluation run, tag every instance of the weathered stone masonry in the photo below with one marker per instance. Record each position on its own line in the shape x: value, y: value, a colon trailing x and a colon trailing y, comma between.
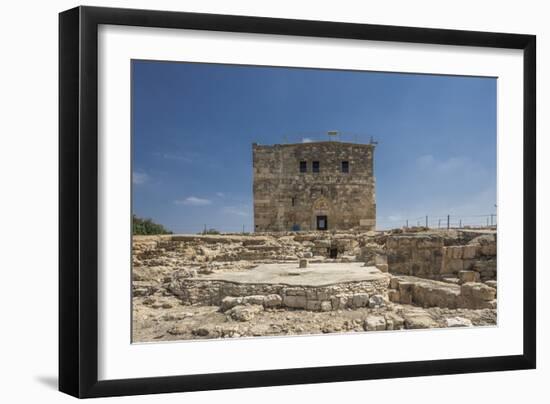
x: 314, y: 186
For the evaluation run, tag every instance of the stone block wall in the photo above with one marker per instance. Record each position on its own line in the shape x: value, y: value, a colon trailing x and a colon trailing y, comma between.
x: 479, y: 255
x: 430, y: 256
x: 321, y: 298
x: 431, y: 293
x: 419, y: 255
x: 287, y: 199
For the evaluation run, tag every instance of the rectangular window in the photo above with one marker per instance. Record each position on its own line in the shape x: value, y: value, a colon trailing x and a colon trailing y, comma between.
x: 345, y: 166
x: 293, y: 201
x: 315, y: 166
x: 303, y: 166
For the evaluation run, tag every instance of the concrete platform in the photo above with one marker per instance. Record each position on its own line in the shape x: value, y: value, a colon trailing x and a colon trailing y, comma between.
x: 315, y: 275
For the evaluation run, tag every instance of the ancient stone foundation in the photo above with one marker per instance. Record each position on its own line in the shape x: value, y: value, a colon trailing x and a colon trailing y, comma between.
x: 337, y: 297
x: 439, y: 256
x: 323, y: 287
x: 430, y: 293
x: 230, y: 285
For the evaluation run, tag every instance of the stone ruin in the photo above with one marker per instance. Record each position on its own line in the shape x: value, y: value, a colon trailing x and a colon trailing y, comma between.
x: 328, y: 286
x: 384, y: 280
x: 431, y: 270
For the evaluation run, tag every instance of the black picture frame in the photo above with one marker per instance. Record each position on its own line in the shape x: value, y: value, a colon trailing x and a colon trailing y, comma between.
x: 78, y: 201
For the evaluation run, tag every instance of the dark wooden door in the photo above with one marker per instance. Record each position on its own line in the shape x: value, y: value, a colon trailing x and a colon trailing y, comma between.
x: 322, y: 223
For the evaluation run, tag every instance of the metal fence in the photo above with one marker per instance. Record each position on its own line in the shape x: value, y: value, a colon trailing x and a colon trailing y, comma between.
x: 215, y: 228
x: 449, y: 221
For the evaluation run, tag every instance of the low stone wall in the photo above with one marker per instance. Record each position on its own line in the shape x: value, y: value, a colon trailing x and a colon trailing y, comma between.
x: 193, y: 249
x: 430, y: 293
x: 426, y: 254
x: 430, y: 256
x: 414, y: 254
x: 478, y: 255
x: 325, y: 298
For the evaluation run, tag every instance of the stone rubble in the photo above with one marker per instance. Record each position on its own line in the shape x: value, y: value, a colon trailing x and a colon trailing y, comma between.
x: 434, y: 279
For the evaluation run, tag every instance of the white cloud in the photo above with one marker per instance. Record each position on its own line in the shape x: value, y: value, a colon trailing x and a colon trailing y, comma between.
x: 236, y: 210
x: 425, y: 161
x: 447, y: 166
x: 193, y: 201
x: 139, y: 178
x: 220, y: 194
x: 307, y: 140
x: 184, y: 157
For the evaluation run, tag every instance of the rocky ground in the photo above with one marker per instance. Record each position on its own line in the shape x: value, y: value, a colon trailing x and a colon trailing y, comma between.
x: 164, y: 318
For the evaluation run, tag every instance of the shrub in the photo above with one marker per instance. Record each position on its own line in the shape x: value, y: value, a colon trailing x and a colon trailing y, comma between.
x: 210, y: 231
x: 147, y: 226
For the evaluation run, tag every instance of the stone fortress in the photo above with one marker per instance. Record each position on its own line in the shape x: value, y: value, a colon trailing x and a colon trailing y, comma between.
x: 327, y: 185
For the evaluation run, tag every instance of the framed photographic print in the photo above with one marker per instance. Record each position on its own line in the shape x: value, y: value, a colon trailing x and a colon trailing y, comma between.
x: 250, y: 201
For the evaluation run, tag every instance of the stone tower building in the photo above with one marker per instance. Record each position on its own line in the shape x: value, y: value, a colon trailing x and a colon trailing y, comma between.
x: 314, y: 186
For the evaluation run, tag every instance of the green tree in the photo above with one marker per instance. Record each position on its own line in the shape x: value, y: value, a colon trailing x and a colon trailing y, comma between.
x: 147, y: 226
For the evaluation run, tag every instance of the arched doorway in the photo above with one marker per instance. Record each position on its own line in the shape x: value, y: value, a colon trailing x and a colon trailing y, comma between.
x: 321, y: 208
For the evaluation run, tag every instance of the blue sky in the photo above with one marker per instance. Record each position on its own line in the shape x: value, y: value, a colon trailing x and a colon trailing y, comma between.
x: 193, y: 126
